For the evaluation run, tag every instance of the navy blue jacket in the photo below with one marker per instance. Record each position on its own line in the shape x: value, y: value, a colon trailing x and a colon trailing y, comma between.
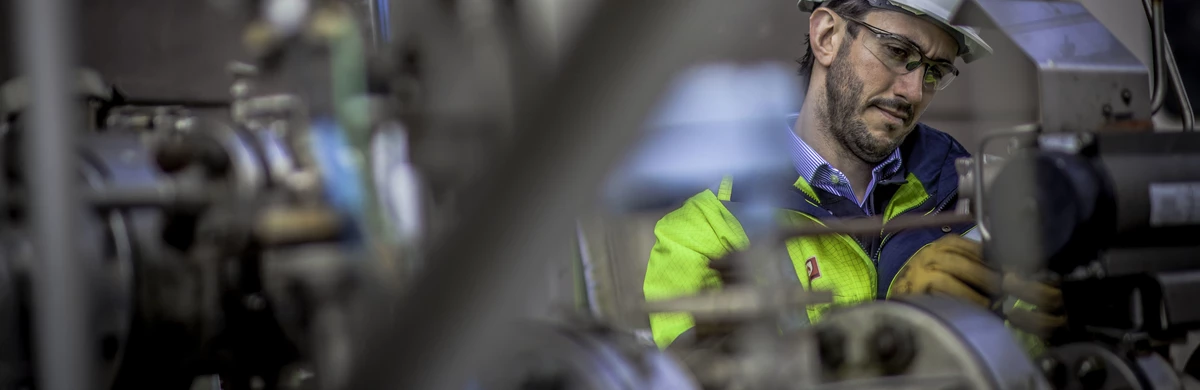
x: 929, y: 155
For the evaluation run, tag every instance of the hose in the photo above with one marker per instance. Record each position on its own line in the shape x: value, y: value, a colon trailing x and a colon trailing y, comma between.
x: 1164, y: 57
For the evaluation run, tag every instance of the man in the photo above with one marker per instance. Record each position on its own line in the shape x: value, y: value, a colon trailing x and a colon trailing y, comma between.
x: 873, y: 67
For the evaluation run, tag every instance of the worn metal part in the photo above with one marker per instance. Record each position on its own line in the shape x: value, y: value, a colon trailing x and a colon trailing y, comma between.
x: 1087, y: 80
x: 932, y: 342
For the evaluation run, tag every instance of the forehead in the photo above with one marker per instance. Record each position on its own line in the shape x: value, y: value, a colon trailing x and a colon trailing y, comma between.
x: 935, y: 42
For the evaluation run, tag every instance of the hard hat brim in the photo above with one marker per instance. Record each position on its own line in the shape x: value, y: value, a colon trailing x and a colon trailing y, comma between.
x: 971, y: 46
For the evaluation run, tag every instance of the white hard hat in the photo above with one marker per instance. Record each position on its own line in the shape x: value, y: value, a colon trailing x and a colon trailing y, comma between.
x: 970, y: 46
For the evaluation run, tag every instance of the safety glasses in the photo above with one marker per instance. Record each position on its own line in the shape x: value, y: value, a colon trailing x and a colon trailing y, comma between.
x: 902, y: 56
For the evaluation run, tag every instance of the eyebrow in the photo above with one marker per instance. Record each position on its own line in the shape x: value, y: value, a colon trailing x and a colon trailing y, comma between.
x: 916, y: 45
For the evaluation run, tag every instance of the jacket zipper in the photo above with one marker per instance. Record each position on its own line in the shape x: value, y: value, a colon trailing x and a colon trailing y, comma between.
x: 938, y: 209
x: 849, y: 240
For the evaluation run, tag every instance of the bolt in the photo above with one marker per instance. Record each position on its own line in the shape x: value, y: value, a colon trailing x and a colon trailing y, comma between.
x: 1054, y: 370
x: 831, y: 346
x: 894, y: 348
x: 945, y: 229
x: 1106, y: 109
x: 1126, y: 96
x: 1091, y: 372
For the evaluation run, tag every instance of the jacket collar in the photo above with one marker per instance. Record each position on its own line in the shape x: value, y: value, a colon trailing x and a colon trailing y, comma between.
x: 926, y: 153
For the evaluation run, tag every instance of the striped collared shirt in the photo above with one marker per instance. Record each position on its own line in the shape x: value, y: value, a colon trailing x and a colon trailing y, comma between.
x: 820, y: 174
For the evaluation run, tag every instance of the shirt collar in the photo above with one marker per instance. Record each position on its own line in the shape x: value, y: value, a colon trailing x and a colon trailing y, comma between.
x: 809, y: 163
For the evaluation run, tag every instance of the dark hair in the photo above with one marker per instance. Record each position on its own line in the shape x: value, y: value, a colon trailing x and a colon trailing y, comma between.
x: 848, y: 8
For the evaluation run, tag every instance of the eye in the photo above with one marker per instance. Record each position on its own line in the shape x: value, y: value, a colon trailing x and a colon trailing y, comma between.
x: 897, y: 52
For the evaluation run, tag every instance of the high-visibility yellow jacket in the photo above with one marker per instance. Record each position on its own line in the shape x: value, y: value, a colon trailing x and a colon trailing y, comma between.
x: 854, y: 269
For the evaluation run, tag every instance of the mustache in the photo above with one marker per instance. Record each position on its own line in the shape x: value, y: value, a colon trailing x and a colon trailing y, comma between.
x: 894, y: 104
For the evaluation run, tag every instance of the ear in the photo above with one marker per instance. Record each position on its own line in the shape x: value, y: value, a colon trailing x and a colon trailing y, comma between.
x: 825, y: 36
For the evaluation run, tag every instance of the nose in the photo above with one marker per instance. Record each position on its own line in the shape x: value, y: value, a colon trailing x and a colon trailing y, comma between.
x: 910, y: 86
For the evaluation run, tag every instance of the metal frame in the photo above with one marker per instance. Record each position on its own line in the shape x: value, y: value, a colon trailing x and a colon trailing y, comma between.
x: 1087, y: 79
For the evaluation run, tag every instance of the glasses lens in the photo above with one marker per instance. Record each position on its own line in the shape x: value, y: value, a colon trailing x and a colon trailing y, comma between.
x: 902, y: 57
x: 939, y: 75
x: 896, y: 54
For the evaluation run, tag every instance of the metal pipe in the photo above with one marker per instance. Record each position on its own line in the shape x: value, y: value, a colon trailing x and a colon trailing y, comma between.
x: 1162, y: 46
x: 63, y: 350
x: 1185, y: 104
x: 1159, y: 96
x: 875, y: 224
x: 466, y: 302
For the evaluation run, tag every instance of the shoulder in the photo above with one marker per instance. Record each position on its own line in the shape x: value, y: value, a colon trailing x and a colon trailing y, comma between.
x: 702, y: 221
x: 931, y: 154
x: 928, y: 140
x: 701, y: 209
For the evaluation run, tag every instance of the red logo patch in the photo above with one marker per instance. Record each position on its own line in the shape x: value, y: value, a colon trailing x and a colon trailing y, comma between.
x: 811, y: 265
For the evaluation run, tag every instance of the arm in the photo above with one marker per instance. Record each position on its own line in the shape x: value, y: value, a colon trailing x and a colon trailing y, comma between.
x: 687, y: 239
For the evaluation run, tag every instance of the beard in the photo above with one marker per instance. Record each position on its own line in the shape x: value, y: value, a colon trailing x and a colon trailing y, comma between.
x: 843, y: 92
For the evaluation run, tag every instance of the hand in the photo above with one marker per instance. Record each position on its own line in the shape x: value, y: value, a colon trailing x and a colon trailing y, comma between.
x: 951, y: 266
x: 1046, y: 317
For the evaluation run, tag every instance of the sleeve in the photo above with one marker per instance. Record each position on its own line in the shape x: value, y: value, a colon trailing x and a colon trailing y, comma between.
x: 686, y: 240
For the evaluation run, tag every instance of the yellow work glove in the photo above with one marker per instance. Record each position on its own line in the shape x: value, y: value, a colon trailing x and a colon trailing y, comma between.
x: 1045, y: 317
x: 950, y: 266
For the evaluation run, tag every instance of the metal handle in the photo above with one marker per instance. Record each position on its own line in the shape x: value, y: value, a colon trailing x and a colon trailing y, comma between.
x: 978, y: 179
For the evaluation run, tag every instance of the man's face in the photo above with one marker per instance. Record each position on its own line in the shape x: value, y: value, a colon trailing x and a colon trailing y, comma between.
x: 870, y: 108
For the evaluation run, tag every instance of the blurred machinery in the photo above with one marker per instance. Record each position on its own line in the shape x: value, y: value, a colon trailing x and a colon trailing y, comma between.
x: 307, y: 233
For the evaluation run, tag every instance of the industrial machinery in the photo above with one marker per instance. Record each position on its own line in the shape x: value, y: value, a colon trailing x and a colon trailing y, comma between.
x: 213, y: 246
x: 239, y: 241
x: 265, y: 241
